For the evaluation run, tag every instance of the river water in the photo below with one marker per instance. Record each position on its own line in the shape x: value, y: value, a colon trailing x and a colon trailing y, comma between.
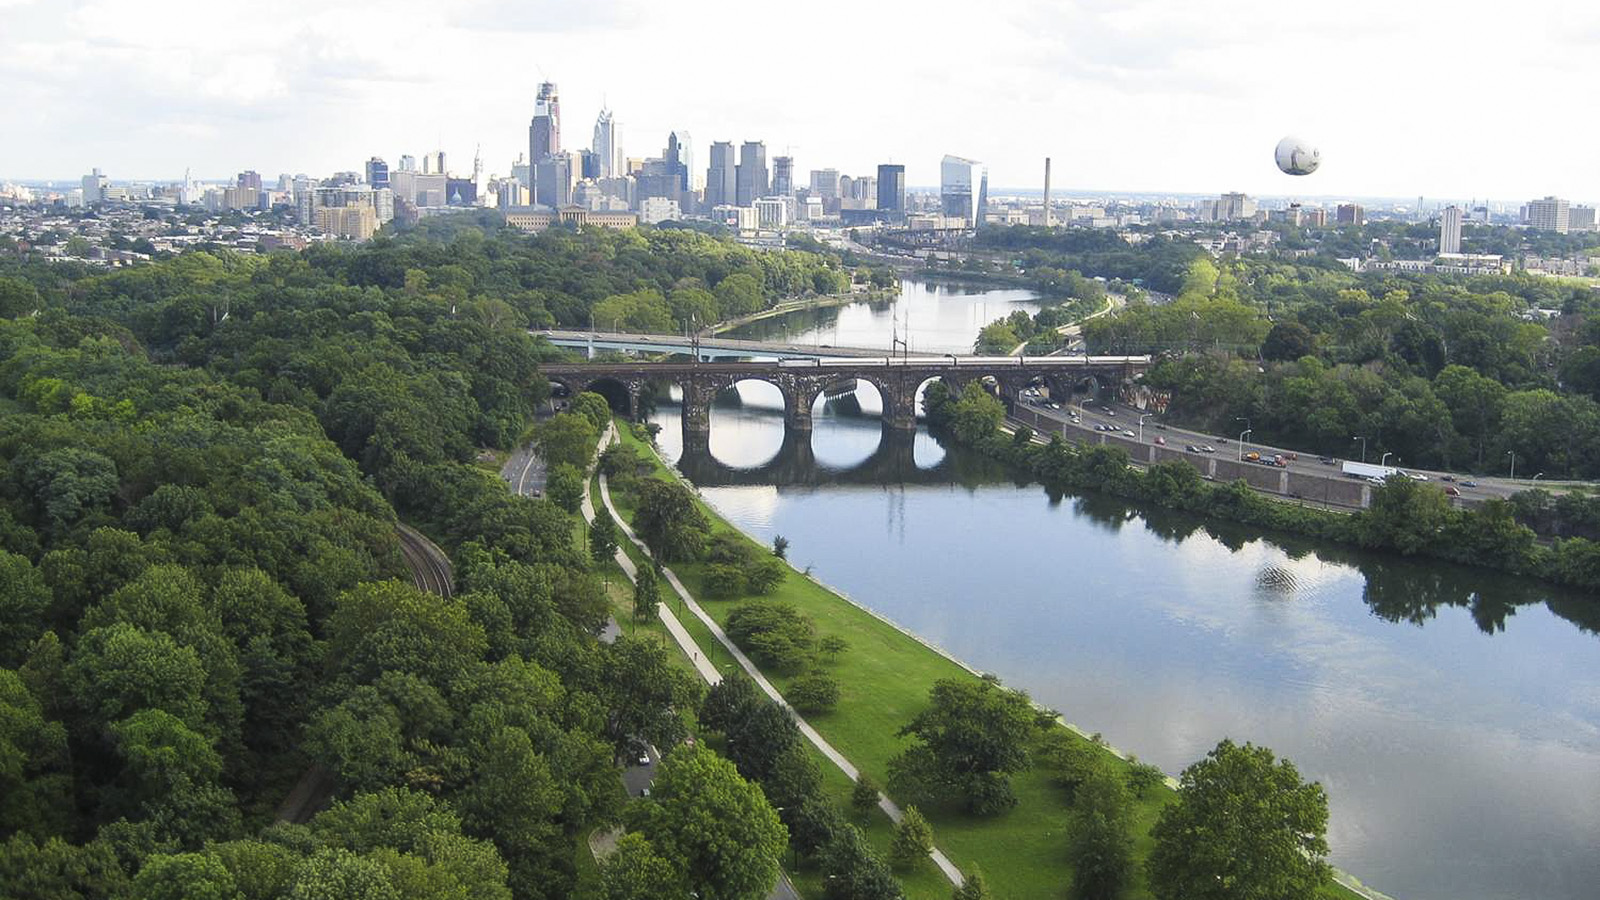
x: 1453, y: 715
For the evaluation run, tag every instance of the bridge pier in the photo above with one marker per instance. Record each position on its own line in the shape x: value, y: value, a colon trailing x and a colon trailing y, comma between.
x: 899, y: 402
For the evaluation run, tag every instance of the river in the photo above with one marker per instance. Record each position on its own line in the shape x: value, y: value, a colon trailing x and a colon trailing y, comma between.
x: 1453, y: 715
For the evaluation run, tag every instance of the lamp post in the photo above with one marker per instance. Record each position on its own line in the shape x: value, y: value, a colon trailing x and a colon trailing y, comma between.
x: 1385, y: 459
x: 1242, y: 435
x: 1513, y: 455
x: 1363, y: 440
x: 1142, y: 417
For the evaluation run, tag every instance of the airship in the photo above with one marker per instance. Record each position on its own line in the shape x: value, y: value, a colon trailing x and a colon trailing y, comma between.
x: 1297, y: 157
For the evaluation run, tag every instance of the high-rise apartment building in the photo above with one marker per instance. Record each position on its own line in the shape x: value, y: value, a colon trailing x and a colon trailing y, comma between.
x: 1232, y: 206
x: 1581, y: 218
x: 249, y: 179
x: 605, y: 144
x: 956, y: 183
x: 94, y: 187
x: 782, y: 176
x: 892, y: 191
x: 377, y: 172
x: 1549, y: 214
x: 722, y: 176
x: 752, y: 180
x: 1350, y: 214
x: 1450, y: 229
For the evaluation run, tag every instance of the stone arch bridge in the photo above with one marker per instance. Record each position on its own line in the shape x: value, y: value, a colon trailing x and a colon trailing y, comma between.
x: 897, y: 380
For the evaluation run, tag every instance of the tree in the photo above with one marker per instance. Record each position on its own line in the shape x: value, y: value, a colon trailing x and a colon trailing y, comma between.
x: 832, y: 645
x: 646, y: 595
x: 864, y: 795
x: 976, y: 415
x: 565, y: 487
x: 913, y: 839
x: 644, y: 695
x: 738, y: 295
x: 635, y: 871
x: 1244, y: 826
x: 814, y: 692
x: 1099, y: 842
x: 593, y: 407
x: 972, y: 887
x: 853, y: 871
x: 1288, y: 341
x: 567, y: 437
x: 1143, y: 776
x: 774, y: 634
x: 336, y: 874
x: 970, y: 739
x: 780, y: 546
x: 715, y: 827
x: 668, y: 520
x: 603, y: 537
x: 185, y: 876
x: 70, y: 482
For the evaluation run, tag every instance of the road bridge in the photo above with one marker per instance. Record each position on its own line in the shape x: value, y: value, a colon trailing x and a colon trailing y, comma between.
x: 898, y: 380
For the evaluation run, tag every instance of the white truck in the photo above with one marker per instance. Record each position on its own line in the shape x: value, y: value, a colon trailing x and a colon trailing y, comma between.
x: 1367, y: 470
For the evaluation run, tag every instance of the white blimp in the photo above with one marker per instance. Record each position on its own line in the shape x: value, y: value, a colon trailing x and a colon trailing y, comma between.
x: 1297, y: 157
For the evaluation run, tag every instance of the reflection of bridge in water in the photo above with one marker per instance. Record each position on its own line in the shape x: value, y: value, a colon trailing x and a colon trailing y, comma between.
x: 893, y: 462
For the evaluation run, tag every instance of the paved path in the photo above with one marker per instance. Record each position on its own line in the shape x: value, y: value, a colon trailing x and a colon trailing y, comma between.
x: 712, y: 676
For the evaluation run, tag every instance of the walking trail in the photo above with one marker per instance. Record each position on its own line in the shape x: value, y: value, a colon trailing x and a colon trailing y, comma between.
x: 710, y: 673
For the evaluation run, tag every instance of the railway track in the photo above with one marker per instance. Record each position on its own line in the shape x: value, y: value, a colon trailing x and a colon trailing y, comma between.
x: 430, y: 567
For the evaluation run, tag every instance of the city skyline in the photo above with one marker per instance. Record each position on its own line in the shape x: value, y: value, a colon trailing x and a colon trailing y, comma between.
x: 1122, y: 99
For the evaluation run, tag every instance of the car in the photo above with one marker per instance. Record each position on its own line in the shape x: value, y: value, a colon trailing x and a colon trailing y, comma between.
x: 644, y: 792
x: 1191, y: 448
x: 1447, y: 478
x: 1207, y: 448
x: 1416, y: 476
x: 1054, y: 405
x: 644, y: 757
x: 1326, y: 460
x: 1469, y: 484
x: 1128, y: 432
x: 1161, y: 426
x: 1110, y: 411
x: 1161, y: 440
x: 1452, y: 490
x: 1374, y: 480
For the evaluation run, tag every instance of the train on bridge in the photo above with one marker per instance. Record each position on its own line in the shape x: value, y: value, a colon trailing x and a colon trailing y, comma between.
x: 961, y: 362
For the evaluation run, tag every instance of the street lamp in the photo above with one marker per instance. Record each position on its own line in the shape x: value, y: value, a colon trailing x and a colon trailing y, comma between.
x: 1513, y: 455
x: 1385, y: 459
x: 1242, y: 436
x: 1142, y: 417
x: 1363, y: 440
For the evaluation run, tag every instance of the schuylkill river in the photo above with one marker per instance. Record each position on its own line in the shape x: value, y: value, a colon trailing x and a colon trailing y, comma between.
x: 1453, y: 715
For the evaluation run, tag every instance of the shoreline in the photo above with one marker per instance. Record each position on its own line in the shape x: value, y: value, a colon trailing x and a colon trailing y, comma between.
x: 1343, y: 884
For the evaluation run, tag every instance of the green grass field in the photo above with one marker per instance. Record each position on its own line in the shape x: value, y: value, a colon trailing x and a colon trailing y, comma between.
x: 884, y: 679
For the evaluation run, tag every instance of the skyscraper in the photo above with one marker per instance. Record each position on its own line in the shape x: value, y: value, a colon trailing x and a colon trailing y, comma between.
x: 782, y: 176
x: 892, y: 191
x: 605, y: 144
x: 752, y: 174
x: 680, y: 156
x: 956, y: 182
x: 721, y: 176
x: 1450, y: 229
x: 377, y: 172
x: 544, y: 146
x: 94, y: 187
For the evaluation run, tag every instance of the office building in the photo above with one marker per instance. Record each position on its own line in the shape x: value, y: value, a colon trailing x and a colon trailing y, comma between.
x: 249, y: 179
x: 685, y: 157
x: 1549, y: 214
x: 377, y: 172
x: 892, y: 191
x: 721, y: 176
x: 825, y: 184
x: 408, y: 163
x: 1233, y: 206
x: 1581, y: 218
x: 1450, y: 229
x: 783, y: 176
x: 433, y: 163
x: 1350, y: 214
x: 553, y: 181
x: 605, y: 144
x: 957, y: 179
x: 752, y: 181
x: 677, y: 161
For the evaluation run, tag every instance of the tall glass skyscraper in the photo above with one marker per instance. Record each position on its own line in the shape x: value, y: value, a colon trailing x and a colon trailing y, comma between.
x: 892, y: 191
x: 752, y: 180
x: 605, y: 144
x: 722, y: 176
x: 956, y: 183
x: 544, y: 144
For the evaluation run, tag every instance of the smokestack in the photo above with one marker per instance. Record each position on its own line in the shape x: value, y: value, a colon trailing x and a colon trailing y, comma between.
x: 1047, y: 192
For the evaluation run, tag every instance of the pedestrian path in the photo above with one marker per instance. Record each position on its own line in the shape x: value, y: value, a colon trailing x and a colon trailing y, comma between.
x: 712, y: 676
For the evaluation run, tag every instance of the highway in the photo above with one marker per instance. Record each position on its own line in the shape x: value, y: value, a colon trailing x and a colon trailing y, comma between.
x: 525, y: 472
x: 1127, y: 418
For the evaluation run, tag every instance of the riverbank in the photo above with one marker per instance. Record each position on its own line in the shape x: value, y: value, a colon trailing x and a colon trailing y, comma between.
x: 885, y: 677
x: 794, y: 306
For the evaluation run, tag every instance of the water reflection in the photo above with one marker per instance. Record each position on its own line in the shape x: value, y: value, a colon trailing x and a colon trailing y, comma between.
x: 1452, y: 713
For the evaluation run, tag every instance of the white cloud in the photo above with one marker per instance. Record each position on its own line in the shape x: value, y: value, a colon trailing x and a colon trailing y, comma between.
x: 1452, y: 99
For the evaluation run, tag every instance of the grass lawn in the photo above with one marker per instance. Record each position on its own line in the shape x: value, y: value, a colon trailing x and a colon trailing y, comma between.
x: 884, y: 679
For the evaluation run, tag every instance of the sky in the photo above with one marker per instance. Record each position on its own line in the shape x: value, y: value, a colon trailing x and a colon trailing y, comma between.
x: 1458, y: 100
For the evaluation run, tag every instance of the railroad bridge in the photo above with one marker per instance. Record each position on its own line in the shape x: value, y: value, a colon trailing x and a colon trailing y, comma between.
x: 897, y: 380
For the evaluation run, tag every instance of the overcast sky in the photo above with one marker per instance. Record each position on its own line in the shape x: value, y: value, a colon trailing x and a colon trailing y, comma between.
x: 1455, y: 99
